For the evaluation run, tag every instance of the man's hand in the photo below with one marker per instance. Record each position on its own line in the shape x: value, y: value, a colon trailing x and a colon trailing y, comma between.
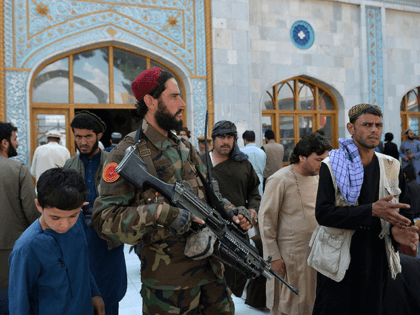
x: 406, y: 159
x: 388, y: 211
x: 159, y: 210
x: 406, y: 236
x: 254, y: 218
x: 279, y: 266
x: 176, y: 220
x: 98, y: 305
x: 242, y: 222
x: 241, y: 218
x: 410, y: 155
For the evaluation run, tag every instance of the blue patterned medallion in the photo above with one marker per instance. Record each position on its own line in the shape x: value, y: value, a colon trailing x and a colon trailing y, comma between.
x: 302, y: 35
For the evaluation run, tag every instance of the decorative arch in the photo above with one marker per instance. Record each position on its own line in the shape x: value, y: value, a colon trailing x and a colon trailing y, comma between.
x: 296, y: 106
x: 174, y: 27
x: 49, y: 111
x: 176, y: 33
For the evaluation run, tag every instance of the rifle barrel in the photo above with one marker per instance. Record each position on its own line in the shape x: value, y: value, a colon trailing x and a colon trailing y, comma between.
x: 292, y: 288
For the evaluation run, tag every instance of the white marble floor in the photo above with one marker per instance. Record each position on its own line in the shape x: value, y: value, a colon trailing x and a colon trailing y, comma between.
x: 131, y: 303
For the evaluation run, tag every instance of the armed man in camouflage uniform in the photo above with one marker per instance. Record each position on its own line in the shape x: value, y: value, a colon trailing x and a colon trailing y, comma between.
x: 172, y: 283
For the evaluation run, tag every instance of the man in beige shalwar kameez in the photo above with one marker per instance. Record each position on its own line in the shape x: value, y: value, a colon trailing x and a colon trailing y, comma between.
x: 287, y: 220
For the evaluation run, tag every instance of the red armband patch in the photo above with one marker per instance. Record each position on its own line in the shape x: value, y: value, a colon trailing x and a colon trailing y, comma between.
x: 110, y: 174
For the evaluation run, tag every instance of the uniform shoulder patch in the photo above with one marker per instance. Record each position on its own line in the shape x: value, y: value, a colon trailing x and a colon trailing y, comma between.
x: 110, y: 174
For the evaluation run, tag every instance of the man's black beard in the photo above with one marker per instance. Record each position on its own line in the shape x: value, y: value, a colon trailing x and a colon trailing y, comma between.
x: 91, y: 153
x: 410, y: 138
x: 11, y: 152
x: 165, y: 120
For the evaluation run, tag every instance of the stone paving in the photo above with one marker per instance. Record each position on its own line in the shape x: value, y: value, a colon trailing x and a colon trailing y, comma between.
x: 132, y: 302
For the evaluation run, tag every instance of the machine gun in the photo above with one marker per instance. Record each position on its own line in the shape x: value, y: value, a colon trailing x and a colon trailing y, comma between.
x: 134, y: 170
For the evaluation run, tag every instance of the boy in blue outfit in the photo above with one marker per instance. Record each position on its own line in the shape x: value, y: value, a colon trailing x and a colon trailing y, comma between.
x: 49, y: 264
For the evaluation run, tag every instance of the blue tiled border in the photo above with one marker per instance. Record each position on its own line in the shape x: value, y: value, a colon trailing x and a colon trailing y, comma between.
x: 374, y: 56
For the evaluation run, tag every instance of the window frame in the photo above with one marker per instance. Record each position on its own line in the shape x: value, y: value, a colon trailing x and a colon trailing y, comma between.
x: 405, y: 113
x: 315, y: 113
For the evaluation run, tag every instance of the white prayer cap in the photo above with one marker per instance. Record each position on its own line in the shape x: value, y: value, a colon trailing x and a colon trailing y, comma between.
x: 54, y: 133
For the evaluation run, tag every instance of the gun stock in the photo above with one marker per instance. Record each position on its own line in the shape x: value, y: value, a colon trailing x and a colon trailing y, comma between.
x: 134, y: 170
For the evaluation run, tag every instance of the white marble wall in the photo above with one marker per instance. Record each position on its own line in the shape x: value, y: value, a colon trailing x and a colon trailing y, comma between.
x: 231, y: 64
x: 333, y: 60
x: 403, y: 61
x: 252, y: 50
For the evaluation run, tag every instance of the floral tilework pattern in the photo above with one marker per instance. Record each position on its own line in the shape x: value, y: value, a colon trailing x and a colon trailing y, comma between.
x: 171, y: 26
x: 16, y: 110
x: 374, y: 51
x: 200, y: 107
x: 173, y: 31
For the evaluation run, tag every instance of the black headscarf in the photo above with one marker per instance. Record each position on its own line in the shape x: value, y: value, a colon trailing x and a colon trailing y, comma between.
x: 225, y: 127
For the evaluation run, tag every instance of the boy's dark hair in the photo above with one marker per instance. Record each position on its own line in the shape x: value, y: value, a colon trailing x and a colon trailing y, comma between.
x: 156, y: 93
x: 89, y: 121
x: 312, y: 142
x: 370, y: 110
x: 249, y: 136
x: 410, y: 172
x: 6, y: 130
x: 269, y: 134
x: 60, y: 188
x: 389, y: 136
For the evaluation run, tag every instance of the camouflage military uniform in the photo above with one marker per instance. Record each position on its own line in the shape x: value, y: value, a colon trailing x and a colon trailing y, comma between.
x: 171, y: 281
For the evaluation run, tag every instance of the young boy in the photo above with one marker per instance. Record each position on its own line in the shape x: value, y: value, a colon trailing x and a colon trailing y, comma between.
x: 49, y: 265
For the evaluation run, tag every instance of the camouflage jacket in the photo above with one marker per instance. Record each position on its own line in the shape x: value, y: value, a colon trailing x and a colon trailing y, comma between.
x: 126, y: 214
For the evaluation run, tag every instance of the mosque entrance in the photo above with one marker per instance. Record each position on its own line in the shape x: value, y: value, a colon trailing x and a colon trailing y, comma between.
x: 97, y: 79
x: 123, y: 121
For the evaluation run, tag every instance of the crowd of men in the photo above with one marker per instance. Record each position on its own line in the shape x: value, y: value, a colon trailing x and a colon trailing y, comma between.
x: 332, y: 221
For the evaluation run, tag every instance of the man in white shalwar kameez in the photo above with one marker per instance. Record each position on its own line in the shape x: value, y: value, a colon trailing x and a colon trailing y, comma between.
x: 287, y: 220
x: 49, y: 155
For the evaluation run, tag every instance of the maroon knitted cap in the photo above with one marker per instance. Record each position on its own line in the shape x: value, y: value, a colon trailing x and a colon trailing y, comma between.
x: 146, y: 82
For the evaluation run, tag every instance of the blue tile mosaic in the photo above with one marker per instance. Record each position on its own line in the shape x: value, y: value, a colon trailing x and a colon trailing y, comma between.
x: 374, y: 57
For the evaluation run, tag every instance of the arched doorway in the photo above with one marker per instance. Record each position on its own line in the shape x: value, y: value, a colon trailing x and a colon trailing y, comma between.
x: 96, y: 78
x: 297, y: 106
x: 410, y: 113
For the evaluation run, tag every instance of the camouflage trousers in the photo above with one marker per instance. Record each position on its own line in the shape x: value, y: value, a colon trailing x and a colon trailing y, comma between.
x: 212, y: 298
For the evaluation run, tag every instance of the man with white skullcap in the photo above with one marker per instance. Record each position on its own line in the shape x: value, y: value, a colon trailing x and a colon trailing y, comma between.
x: 49, y: 155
